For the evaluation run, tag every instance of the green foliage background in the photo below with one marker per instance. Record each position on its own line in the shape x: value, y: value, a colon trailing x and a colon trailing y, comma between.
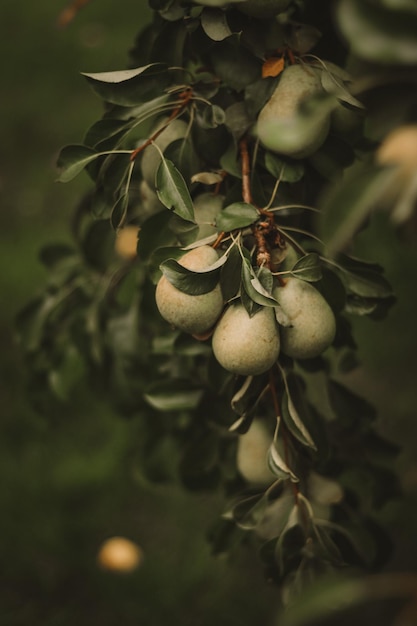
x: 69, y: 483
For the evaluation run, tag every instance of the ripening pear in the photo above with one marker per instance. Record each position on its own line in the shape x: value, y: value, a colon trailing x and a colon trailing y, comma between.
x: 119, y: 554
x: 252, y: 454
x: 313, y: 324
x: 177, y: 129
x: 191, y: 314
x: 297, y: 83
x: 246, y: 345
x: 150, y: 203
x: 126, y: 242
x: 400, y: 148
x: 206, y: 208
x: 263, y: 8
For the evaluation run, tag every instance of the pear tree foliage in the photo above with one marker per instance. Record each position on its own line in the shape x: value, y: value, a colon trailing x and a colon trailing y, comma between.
x: 211, y: 284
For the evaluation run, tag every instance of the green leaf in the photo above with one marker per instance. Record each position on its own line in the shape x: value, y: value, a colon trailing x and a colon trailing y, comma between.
x: 334, y: 84
x: 236, y: 215
x: 187, y: 281
x: 254, y: 288
x: 173, y: 395
x: 234, y: 64
x: 295, y: 412
x: 377, y: 34
x: 230, y: 275
x: 308, y: 268
x: 73, y: 159
x: 287, y: 171
x: 215, y: 25
x: 248, y: 513
x: 173, y: 191
x: 130, y: 87
x: 278, y: 457
x: 353, y: 410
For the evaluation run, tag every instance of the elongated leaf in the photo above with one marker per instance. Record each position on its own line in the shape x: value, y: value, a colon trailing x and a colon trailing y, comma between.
x: 190, y: 282
x: 230, y: 277
x: 130, y: 87
x: 174, y: 395
x: 308, y: 268
x: 254, y: 287
x: 277, y: 457
x: 294, y: 422
x: 73, y: 159
x: 236, y: 215
x: 287, y: 171
x: 173, y: 191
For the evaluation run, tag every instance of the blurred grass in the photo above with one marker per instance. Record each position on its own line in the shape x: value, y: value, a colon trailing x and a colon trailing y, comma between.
x: 68, y: 483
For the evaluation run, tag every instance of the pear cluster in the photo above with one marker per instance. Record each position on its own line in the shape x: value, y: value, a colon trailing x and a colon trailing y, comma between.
x: 243, y: 344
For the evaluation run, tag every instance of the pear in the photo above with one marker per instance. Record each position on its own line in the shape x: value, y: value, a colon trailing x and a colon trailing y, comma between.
x: 191, y: 314
x: 177, y: 129
x: 313, y: 324
x: 252, y: 454
x: 206, y: 208
x: 263, y: 8
x: 400, y: 148
x: 246, y: 345
x: 280, y: 127
x: 119, y: 554
x: 126, y: 242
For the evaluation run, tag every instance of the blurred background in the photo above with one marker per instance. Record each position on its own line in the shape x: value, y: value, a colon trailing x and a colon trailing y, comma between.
x: 67, y: 482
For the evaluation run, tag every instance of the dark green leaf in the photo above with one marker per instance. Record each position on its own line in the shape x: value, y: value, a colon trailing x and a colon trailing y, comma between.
x: 130, y: 87
x: 288, y: 171
x: 234, y: 64
x: 230, y: 275
x: 350, y: 408
x: 192, y: 283
x: 308, y: 268
x: 295, y: 410
x: 254, y: 287
x: 73, y: 159
x: 173, y: 191
x: 236, y: 215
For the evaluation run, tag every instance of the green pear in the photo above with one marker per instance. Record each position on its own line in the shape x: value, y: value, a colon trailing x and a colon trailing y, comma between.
x: 281, y: 127
x: 191, y: 314
x: 246, y: 345
x: 252, y: 454
x: 177, y: 129
x: 313, y: 324
x: 263, y: 8
x: 206, y: 208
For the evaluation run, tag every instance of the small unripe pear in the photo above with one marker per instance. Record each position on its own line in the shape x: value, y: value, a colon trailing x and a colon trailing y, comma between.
x: 252, y: 454
x: 246, y: 345
x: 263, y: 8
x: 192, y: 314
x: 177, y: 129
x: 297, y: 83
x: 313, y: 324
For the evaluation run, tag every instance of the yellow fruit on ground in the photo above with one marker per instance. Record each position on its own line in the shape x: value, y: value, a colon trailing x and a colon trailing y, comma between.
x: 313, y: 324
x: 246, y: 345
x: 252, y: 454
x: 119, y: 554
x: 126, y: 242
x: 297, y: 83
x: 191, y: 314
